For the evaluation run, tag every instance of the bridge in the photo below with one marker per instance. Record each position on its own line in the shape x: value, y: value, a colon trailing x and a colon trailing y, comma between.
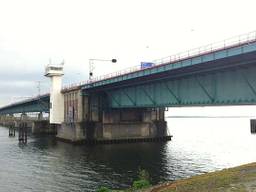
x: 131, y: 103
x: 37, y: 104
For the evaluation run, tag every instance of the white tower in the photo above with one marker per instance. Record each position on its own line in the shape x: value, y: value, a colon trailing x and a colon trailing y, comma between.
x: 55, y: 72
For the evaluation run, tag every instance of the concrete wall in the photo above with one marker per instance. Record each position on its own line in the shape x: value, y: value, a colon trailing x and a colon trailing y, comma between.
x: 72, y: 128
x: 42, y: 127
x: 134, y: 123
x: 72, y: 132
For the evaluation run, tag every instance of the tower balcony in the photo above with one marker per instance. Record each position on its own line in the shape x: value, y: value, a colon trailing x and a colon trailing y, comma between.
x: 53, y: 70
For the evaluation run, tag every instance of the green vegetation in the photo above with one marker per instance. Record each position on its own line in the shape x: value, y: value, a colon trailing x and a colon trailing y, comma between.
x: 103, y: 189
x: 238, y: 179
x: 142, y: 182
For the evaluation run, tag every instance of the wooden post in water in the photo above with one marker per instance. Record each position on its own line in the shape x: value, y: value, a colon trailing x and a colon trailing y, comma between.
x: 23, y: 132
x: 26, y: 132
x: 253, y: 126
x: 20, y: 132
x: 12, y: 130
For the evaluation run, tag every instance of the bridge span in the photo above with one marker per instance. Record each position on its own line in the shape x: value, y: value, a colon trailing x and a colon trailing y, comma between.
x: 131, y: 104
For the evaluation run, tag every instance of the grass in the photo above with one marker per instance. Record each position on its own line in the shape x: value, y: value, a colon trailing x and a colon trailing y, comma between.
x: 238, y: 179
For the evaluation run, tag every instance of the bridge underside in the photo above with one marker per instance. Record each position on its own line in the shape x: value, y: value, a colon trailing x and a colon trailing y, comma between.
x: 233, y: 85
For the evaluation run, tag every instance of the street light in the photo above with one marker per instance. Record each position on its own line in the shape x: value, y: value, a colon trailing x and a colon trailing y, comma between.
x: 91, y: 65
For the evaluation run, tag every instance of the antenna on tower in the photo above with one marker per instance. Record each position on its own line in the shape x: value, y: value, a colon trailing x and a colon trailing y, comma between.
x: 39, y: 87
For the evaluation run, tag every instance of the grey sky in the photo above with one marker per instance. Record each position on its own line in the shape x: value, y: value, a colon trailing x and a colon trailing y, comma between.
x: 32, y: 31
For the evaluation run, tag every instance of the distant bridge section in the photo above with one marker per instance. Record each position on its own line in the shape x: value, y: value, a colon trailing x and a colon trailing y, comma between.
x: 37, y: 104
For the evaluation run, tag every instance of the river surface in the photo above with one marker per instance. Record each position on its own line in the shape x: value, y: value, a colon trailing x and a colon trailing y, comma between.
x: 199, y: 145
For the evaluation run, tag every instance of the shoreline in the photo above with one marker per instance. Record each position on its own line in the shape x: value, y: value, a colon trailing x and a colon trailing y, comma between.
x: 237, y: 179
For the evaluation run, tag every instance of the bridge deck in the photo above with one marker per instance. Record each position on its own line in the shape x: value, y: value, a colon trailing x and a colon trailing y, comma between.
x: 228, y: 48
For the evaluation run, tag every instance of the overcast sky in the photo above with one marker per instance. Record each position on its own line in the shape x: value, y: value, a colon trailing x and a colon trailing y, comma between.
x: 32, y: 31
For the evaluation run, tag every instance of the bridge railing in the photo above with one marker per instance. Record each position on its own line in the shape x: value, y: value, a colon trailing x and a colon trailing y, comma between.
x: 228, y: 43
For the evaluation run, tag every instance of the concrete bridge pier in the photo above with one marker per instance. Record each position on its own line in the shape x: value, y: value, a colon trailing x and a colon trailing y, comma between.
x: 126, y: 124
x: 41, y: 126
x: 23, y: 117
x: 122, y: 124
x: 86, y: 120
x: 16, y: 123
x: 117, y: 125
x: 7, y: 120
x: 2, y: 119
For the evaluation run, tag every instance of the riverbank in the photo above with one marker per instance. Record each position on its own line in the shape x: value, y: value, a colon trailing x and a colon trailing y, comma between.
x: 237, y: 179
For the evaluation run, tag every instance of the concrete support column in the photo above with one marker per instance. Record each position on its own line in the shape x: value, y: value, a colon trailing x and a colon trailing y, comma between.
x: 24, y: 117
x: 11, y: 117
x: 2, y: 119
x: 16, y: 123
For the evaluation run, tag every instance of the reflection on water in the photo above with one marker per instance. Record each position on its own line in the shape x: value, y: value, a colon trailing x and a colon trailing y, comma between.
x: 198, y: 146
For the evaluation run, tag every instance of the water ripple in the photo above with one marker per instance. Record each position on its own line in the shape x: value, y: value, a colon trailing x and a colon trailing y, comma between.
x: 47, y: 165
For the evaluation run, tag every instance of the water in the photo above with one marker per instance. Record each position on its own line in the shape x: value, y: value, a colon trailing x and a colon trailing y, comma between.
x: 198, y: 146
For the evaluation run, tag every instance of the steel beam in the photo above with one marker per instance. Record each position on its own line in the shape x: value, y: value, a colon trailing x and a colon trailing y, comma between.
x: 224, y: 87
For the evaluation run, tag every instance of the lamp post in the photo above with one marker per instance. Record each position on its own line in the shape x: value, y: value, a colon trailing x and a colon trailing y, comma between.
x: 91, y: 65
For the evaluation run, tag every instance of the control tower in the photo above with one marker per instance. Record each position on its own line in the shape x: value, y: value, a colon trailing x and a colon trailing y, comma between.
x: 55, y: 72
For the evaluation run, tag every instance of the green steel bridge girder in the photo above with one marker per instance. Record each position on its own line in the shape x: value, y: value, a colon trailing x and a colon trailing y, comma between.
x: 235, y: 86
